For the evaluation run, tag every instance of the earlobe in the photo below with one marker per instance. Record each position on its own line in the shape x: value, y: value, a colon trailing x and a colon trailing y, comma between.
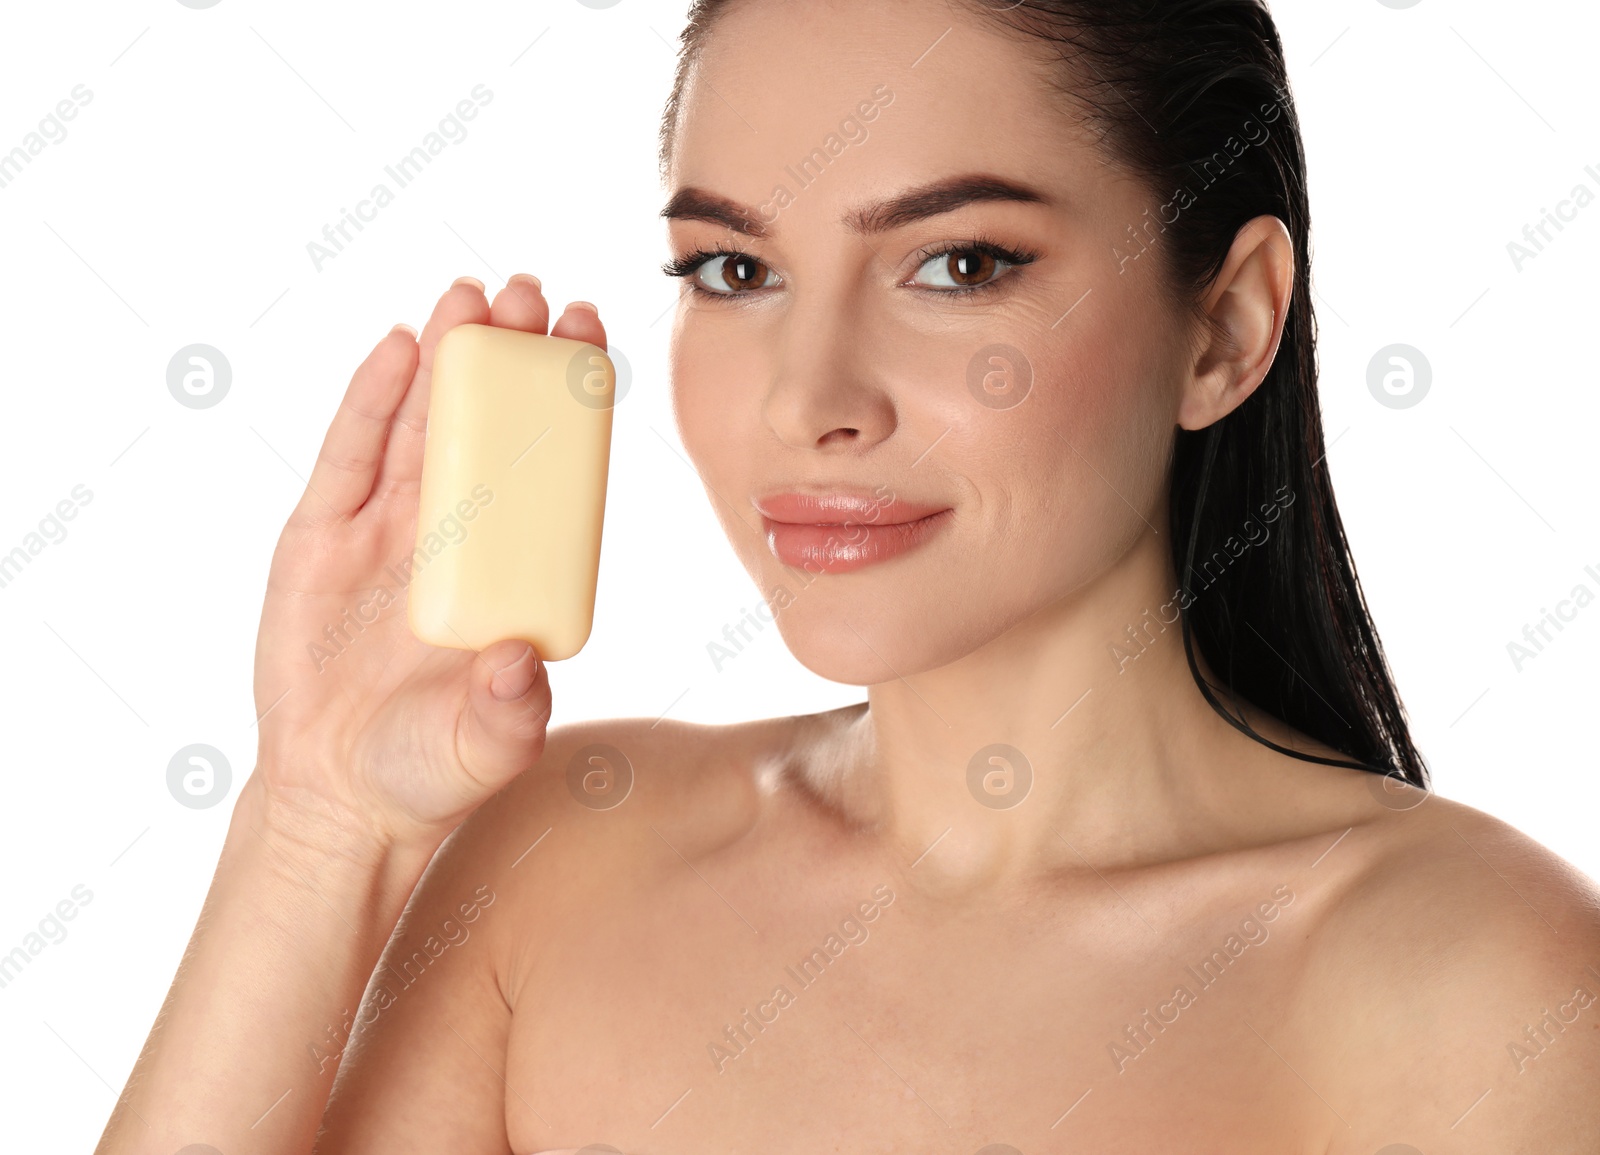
x: 1243, y: 309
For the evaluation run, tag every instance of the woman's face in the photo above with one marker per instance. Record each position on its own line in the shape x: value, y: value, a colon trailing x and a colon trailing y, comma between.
x: 862, y: 345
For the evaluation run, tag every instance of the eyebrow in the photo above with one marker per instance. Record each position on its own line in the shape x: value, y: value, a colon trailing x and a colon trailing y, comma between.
x: 920, y: 203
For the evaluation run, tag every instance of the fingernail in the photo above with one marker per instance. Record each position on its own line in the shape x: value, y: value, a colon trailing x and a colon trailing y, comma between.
x: 503, y: 689
x: 403, y: 327
x: 584, y: 305
x: 515, y: 657
x: 473, y: 281
x: 527, y: 278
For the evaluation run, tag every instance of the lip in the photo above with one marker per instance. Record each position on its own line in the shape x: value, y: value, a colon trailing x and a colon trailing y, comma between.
x: 841, y: 530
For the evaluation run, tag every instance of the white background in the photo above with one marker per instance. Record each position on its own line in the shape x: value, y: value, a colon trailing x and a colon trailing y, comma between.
x: 217, y: 143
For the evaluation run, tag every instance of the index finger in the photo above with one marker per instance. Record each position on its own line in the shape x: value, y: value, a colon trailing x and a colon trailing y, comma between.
x: 347, y: 464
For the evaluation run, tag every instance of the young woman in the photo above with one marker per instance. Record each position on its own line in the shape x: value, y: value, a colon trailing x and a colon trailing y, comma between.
x: 996, y: 356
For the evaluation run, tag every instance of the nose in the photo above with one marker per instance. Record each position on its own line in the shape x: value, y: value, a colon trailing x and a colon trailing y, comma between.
x: 827, y: 392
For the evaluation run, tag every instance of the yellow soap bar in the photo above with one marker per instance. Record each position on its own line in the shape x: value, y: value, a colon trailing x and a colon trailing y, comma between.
x: 513, y: 491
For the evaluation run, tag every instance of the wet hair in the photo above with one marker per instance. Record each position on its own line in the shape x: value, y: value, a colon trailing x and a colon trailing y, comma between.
x: 1192, y: 98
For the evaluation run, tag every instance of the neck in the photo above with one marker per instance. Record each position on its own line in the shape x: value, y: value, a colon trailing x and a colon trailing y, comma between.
x: 1077, y: 737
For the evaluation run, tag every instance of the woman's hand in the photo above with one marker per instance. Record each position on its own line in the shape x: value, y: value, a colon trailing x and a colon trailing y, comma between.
x: 360, y: 723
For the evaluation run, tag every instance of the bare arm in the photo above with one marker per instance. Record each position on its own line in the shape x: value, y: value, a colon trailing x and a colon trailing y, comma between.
x: 296, y: 917
x: 373, y: 747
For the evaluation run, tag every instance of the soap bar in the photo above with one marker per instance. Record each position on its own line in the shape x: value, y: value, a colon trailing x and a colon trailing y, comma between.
x: 513, y: 491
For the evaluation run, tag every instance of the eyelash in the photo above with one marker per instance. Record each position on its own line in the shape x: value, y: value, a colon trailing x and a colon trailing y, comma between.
x: 689, y: 264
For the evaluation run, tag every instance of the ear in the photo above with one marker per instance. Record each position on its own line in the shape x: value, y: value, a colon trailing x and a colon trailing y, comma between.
x: 1248, y: 303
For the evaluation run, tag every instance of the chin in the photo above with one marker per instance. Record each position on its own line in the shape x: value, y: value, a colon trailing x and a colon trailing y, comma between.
x: 880, y: 623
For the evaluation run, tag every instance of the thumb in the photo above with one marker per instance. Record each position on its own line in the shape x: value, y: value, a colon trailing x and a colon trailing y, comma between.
x: 502, y: 728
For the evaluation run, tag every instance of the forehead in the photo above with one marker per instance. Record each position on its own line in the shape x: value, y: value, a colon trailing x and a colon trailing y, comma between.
x: 836, y: 100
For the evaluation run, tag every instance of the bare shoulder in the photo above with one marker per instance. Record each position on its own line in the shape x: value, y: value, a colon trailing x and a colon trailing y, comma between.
x: 608, y: 802
x: 1471, y: 877
x: 599, y: 809
x: 1453, y: 977
x: 613, y: 779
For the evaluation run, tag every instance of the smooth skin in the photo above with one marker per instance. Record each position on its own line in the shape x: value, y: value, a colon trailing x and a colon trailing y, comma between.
x: 1379, y: 961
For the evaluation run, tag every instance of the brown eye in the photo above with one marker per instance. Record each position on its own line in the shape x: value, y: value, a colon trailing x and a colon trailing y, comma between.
x: 738, y: 272
x: 966, y: 267
x: 970, y: 268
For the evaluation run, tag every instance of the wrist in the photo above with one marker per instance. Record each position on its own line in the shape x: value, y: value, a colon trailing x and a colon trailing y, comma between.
x: 312, y: 832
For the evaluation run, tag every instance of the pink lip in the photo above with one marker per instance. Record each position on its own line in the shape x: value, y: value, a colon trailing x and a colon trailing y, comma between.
x: 843, y: 530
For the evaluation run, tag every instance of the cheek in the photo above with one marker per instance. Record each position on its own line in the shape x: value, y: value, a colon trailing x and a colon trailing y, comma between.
x: 1111, y: 388
x: 1074, y: 477
x: 710, y: 393
x: 716, y: 407
x: 1084, y: 455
